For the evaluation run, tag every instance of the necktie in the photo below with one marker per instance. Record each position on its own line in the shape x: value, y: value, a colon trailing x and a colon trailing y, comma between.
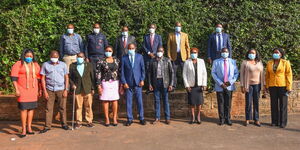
x: 131, y: 61
x: 124, y: 42
x: 225, y: 71
x: 219, y: 42
x: 151, y: 40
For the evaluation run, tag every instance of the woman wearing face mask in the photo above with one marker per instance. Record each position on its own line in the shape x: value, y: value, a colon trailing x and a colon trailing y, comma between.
x: 25, y: 76
x: 279, y: 80
x: 252, y: 81
x: 195, y: 79
x: 108, y: 76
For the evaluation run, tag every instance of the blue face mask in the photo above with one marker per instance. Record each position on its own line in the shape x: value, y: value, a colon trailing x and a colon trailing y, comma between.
x: 178, y: 29
x: 276, y: 56
x: 131, y: 52
x: 108, y: 54
x: 194, y: 55
x: 225, y: 55
x: 251, y: 56
x: 70, y: 31
x: 28, y: 59
x: 218, y: 30
x: 80, y: 60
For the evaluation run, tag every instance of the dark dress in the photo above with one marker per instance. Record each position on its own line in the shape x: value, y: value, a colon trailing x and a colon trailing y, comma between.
x: 195, y: 97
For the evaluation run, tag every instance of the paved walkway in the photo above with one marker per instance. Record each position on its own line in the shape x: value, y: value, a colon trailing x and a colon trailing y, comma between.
x: 178, y: 135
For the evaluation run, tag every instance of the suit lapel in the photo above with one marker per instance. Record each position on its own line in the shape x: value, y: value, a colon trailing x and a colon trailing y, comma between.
x: 84, y: 69
x: 135, y: 61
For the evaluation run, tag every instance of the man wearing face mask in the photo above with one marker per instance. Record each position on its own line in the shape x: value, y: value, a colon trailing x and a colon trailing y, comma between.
x: 95, y: 44
x: 225, y: 73
x: 55, y: 82
x: 82, y: 81
x: 70, y: 45
x: 132, y: 78
x: 161, y: 78
x: 122, y: 42
x: 178, y: 49
x: 216, y: 42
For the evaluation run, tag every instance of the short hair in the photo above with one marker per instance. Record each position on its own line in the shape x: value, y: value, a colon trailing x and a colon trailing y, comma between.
x: 195, y: 48
x: 81, y: 53
x: 71, y: 25
x: 161, y: 47
x: 280, y: 50
x: 257, y: 58
x: 224, y: 49
x: 96, y: 23
x: 24, y: 52
x: 131, y: 44
x: 152, y: 24
x: 54, y: 51
x: 109, y: 46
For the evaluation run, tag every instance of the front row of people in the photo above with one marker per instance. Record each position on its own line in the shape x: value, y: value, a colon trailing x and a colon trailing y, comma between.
x: 114, y: 78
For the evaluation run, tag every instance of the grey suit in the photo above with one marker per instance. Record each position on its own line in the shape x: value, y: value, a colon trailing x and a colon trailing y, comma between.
x: 120, y: 50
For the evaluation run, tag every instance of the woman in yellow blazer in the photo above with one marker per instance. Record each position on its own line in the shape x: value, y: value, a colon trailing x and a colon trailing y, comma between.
x: 279, y: 83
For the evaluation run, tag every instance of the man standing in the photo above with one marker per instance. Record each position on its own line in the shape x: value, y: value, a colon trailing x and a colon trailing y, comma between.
x: 225, y: 73
x: 132, y: 77
x: 216, y: 42
x: 161, y: 78
x: 82, y: 81
x: 178, y: 49
x: 95, y: 45
x: 70, y: 45
x: 122, y: 42
x: 55, y: 81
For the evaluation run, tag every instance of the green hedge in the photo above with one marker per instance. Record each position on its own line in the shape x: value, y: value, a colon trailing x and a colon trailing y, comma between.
x: 38, y: 24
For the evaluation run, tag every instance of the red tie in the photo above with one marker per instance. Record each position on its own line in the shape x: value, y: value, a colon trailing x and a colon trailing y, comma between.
x: 225, y: 71
x: 124, y: 42
x: 151, y: 40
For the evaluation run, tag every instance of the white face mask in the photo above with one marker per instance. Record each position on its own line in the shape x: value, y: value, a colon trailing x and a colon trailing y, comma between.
x: 125, y: 33
x: 151, y: 30
x: 54, y: 60
x: 70, y: 31
x: 96, y: 30
x: 178, y: 29
x: 159, y: 54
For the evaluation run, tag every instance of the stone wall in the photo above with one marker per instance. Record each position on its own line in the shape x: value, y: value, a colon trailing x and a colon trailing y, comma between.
x: 178, y: 105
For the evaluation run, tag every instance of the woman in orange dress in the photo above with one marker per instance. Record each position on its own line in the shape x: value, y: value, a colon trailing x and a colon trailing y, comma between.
x: 25, y: 77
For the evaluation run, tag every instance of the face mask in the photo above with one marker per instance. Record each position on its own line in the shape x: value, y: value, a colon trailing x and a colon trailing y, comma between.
x: 218, y: 30
x: 194, y: 55
x: 276, y: 56
x: 125, y: 33
x: 151, y: 30
x: 159, y: 54
x: 28, y: 59
x: 96, y: 30
x: 178, y: 29
x: 70, y: 31
x: 131, y: 52
x: 225, y: 55
x: 80, y: 60
x: 54, y: 60
x: 251, y: 56
x: 108, y: 54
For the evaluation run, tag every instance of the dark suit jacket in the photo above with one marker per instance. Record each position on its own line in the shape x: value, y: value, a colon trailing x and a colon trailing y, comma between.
x: 86, y: 82
x: 167, y: 71
x: 212, y: 46
x: 147, y: 44
x: 132, y: 76
x: 120, y: 50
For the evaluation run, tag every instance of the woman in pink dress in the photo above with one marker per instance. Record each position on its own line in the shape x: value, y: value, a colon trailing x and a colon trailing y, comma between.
x: 107, y: 75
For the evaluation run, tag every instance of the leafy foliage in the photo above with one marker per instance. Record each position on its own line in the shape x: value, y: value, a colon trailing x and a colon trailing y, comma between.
x: 38, y: 24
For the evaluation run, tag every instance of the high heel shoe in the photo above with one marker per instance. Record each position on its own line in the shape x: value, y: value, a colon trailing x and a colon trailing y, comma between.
x: 22, y: 135
x: 30, y: 133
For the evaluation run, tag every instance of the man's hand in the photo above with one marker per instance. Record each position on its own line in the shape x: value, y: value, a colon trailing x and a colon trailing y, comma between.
x: 170, y: 88
x: 65, y: 93
x: 126, y: 86
x: 151, y: 55
x: 46, y: 95
x: 223, y: 86
x: 141, y: 84
x: 150, y: 88
x: 188, y: 89
x: 209, y: 60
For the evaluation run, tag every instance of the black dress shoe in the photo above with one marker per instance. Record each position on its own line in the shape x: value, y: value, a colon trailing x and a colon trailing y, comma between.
x: 282, y: 126
x: 44, y: 130
x: 198, y: 122
x: 142, y: 122
x: 257, y: 124
x: 221, y: 123
x: 229, y: 123
x: 65, y: 127
x: 128, y: 123
x: 191, y: 121
x: 30, y: 133
x: 22, y: 135
x: 115, y: 124
x: 148, y: 92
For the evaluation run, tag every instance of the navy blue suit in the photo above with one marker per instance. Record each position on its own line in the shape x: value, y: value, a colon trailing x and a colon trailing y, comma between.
x: 213, y: 51
x: 133, y: 76
x: 147, y: 44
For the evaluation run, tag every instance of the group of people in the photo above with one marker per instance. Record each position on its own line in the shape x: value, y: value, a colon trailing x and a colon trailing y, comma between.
x: 94, y: 65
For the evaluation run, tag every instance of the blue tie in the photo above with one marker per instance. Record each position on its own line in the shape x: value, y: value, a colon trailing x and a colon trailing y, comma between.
x: 219, y: 42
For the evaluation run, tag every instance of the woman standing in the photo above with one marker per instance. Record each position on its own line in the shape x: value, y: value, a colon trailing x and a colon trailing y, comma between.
x: 252, y: 80
x: 108, y: 75
x: 195, y: 79
x: 279, y: 80
x: 25, y: 75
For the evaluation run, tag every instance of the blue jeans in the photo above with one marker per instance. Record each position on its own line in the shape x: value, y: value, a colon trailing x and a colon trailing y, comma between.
x: 129, y: 96
x: 159, y: 92
x: 253, y: 96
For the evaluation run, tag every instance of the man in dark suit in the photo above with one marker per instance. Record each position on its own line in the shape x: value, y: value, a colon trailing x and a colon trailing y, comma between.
x: 132, y: 77
x: 82, y: 81
x: 122, y: 42
x: 95, y: 45
x: 216, y: 42
x: 161, y: 79
x: 151, y: 43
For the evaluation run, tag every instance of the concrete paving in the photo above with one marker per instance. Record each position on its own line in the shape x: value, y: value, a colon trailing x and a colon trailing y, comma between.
x: 178, y: 135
